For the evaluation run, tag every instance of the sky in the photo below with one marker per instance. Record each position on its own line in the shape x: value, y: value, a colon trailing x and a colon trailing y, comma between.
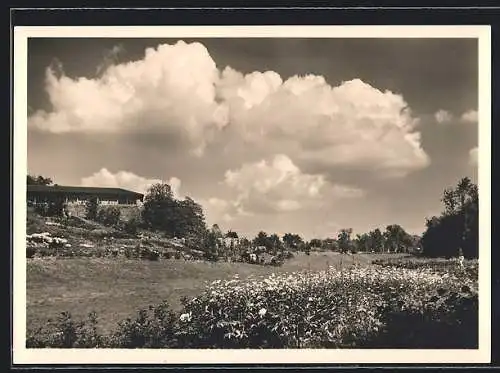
x: 307, y: 136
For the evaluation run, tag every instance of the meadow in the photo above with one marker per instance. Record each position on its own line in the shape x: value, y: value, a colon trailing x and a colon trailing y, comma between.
x: 321, y: 300
x: 116, y: 288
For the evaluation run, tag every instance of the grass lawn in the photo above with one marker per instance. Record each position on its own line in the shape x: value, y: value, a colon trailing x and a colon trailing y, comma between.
x: 116, y: 288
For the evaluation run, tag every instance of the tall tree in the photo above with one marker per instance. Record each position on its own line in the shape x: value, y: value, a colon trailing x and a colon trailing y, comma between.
x: 191, y: 220
x: 162, y: 212
x: 344, y: 239
x: 363, y: 242
x: 160, y: 209
x: 456, y: 230
x: 377, y: 240
x: 395, y: 236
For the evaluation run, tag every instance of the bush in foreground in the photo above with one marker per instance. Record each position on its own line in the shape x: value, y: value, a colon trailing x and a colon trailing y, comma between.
x: 369, y: 307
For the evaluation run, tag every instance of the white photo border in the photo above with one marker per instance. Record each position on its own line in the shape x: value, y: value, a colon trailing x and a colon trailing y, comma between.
x: 22, y: 355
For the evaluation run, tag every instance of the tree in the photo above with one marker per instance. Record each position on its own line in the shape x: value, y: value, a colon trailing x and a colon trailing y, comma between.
x: 109, y: 216
x: 261, y: 239
x: 162, y: 212
x: 363, y: 242
x: 210, y: 246
x: 274, y: 242
x: 330, y: 244
x: 344, y: 239
x: 395, y: 236
x: 216, y: 230
x: 316, y: 242
x: 292, y: 241
x: 160, y: 208
x: 457, y: 229
x: 231, y: 234
x: 377, y: 240
x: 191, y: 220
x: 91, y: 207
x: 38, y: 180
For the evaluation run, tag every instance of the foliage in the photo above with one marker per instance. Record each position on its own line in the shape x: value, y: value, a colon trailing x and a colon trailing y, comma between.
x: 370, y: 307
x: 38, y: 180
x: 210, y: 245
x: 377, y: 240
x: 344, y: 239
x: 67, y: 333
x: 162, y: 212
x: 457, y: 229
x: 91, y: 208
x: 261, y: 239
x: 469, y: 269
x: 231, y: 234
x: 109, y: 215
x: 397, y: 239
x: 131, y: 225
x: 315, y: 242
x: 292, y: 241
x: 152, y: 328
x: 363, y: 242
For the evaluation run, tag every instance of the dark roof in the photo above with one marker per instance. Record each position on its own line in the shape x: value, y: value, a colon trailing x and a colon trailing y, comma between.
x: 82, y: 190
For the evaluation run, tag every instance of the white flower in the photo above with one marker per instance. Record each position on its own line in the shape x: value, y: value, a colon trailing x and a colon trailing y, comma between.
x: 185, y: 317
x: 262, y: 312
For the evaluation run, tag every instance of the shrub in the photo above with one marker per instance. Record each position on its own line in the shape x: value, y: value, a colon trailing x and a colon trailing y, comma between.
x: 91, y: 207
x: 330, y: 309
x: 55, y: 208
x: 42, y: 208
x: 149, y: 254
x: 67, y: 333
x: 132, y: 252
x: 131, y: 225
x: 152, y: 328
x: 30, y: 251
x: 109, y: 216
x: 370, y: 307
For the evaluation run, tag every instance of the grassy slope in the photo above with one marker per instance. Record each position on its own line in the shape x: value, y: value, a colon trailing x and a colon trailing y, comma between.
x: 116, y: 289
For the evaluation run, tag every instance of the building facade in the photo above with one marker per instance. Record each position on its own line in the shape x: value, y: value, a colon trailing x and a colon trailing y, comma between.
x: 80, y: 195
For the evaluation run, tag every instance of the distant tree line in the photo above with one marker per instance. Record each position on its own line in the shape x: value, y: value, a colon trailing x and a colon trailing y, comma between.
x: 452, y: 233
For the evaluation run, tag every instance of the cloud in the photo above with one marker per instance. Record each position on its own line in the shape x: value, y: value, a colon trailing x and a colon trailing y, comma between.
x: 176, y: 91
x: 353, y: 125
x: 473, y: 156
x: 470, y: 116
x: 110, y: 58
x: 170, y: 91
x: 127, y: 180
x: 277, y: 185
x: 217, y: 210
x: 443, y: 116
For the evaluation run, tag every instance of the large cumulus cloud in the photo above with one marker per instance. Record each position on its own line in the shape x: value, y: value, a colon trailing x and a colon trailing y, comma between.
x: 170, y: 91
x: 177, y: 91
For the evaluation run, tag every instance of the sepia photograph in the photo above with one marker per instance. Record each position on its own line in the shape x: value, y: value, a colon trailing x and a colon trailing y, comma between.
x: 272, y: 192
